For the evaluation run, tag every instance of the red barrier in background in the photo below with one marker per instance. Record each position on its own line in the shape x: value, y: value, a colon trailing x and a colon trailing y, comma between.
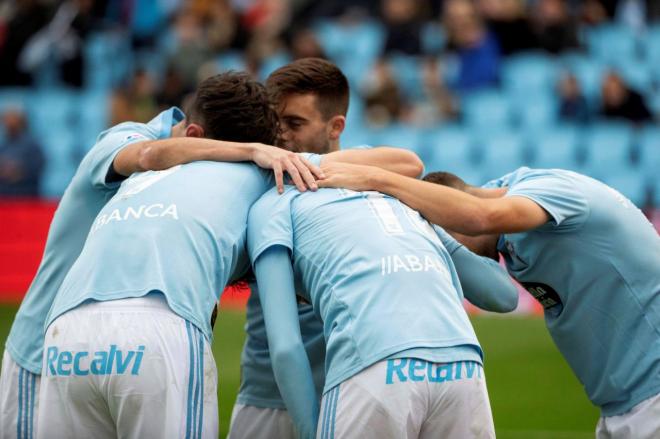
x: 23, y: 231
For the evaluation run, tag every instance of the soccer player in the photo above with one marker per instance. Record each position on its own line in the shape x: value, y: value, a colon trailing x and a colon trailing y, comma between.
x: 583, y: 250
x: 129, y: 147
x: 312, y: 98
x: 402, y: 358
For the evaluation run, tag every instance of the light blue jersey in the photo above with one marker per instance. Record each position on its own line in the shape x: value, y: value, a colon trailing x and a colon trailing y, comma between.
x: 595, y: 268
x: 258, y: 386
x: 83, y: 199
x: 180, y: 231
x: 375, y: 272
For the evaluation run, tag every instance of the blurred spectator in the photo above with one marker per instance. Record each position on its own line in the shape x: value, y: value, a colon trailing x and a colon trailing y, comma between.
x: 595, y: 12
x: 438, y: 104
x: 554, y: 27
x: 403, y: 26
x: 619, y: 101
x: 305, y: 44
x: 477, y: 51
x: 508, y: 20
x: 137, y: 103
x: 21, y: 158
x: 382, y: 96
x: 172, y: 91
x: 21, y: 20
x: 573, y: 105
x: 191, y: 49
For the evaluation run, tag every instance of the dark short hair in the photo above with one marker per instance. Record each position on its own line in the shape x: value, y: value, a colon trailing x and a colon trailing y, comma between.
x: 446, y: 179
x: 234, y: 107
x: 312, y: 75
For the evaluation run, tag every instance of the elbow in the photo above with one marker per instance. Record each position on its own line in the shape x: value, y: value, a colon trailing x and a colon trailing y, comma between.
x: 414, y: 167
x: 285, y: 353
x: 149, y: 158
x: 509, y: 304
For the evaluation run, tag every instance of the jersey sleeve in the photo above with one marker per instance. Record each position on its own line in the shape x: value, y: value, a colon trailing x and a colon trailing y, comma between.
x: 269, y: 222
x: 109, y: 144
x: 447, y: 240
x: 560, y: 197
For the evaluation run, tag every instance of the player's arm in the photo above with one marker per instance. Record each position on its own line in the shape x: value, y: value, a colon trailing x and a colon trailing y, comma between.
x: 155, y: 155
x: 290, y: 363
x: 445, y: 206
x: 396, y: 160
x: 484, y: 282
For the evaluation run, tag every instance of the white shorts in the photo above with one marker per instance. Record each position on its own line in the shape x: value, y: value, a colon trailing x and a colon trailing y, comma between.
x: 409, y: 398
x: 642, y: 422
x: 19, y: 402
x: 250, y: 422
x: 127, y: 368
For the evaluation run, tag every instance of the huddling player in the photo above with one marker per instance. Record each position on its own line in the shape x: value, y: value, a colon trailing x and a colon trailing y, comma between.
x: 129, y: 147
x: 583, y: 250
x: 311, y: 97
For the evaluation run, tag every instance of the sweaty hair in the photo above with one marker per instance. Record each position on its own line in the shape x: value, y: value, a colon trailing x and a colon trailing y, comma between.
x: 312, y: 76
x: 446, y: 179
x: 232, y: 106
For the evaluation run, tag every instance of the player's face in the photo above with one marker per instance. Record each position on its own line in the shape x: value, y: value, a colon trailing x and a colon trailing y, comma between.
x: 303, y: 127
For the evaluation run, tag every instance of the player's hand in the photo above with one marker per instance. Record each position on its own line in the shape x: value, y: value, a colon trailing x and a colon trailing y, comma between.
x: 303, y: 173
x: 348, y: 176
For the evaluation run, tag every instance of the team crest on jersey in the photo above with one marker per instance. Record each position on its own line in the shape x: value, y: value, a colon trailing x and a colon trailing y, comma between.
x: 545, y: 294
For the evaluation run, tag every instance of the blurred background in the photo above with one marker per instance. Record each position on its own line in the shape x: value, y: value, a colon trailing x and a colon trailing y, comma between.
x: 477, y: 88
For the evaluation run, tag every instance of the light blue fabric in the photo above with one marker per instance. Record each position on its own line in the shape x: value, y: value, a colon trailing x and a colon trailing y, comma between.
x: 595, y: 267
x: 258, y: 387
x: 290, y: 364
x: 485, y: 283
x: 180, y: 231
x: 83, y: 199
x: 361, y: 259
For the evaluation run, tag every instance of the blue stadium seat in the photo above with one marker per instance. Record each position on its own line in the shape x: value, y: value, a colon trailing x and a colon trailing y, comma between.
x: 608, y: 147
x: 408, y: 73
x: 357, y: 41
x: 434, y: 39
x: 637, y: 74
x: 652, y: 45
x: 93, y: 116
x: 557, y: 148
x: 54, y: 109
x: 449, y: 148
x: 612, y: 42
x: 589, y: 72
x: 536, y: 112
x: 487, y: 110
x: 230, y: 60
x: 529, y: 73
x: 396, y: 134
x: 630, y: 183
x: 108, y: 59
x: 59, y: 150
x: 272, y: 63
x: 502, y: 153
x: 649, y: 154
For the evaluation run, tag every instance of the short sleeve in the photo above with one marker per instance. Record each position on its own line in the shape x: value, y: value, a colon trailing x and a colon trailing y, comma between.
x: 269, y: 222
x: 110, y: 143
x: 557, y: 195
x: 447, y: 240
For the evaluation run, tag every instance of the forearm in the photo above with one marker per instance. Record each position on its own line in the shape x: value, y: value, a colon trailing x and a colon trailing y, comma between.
x: 290, y: 363
x: 447, y: 207
x: 162, y: 154
x: 485, y: 283
x: 396, y: 160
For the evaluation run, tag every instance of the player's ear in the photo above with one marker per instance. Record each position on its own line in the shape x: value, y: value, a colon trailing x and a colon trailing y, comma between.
x: 194, y: 130
x: 336, y: 126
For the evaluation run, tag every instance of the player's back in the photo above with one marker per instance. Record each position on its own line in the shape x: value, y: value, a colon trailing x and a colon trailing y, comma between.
x: 596, y: 269
x: 84, y: 197
x: 374, y: 271
x: 180, y: 231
